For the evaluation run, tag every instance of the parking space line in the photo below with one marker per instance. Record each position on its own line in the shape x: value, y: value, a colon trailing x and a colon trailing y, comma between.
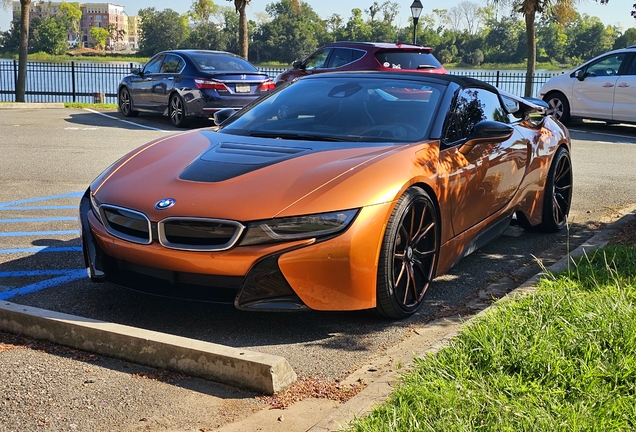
x: 58, y: 207
x: 45, y: 198
x: 69, y: 276
x: 37, y: 233
x: 41, y: 249
x: 30, y: 220
x: 125, y: 121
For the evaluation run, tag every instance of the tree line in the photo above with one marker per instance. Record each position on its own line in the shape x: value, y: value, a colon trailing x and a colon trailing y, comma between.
x: 467, y: 34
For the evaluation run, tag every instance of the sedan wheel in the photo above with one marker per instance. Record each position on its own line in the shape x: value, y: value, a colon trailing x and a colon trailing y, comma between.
x: 408, y: 257
x: 558, y: 107
x: 177, y: 111
x: 558, y: 192
x: 125, y: 104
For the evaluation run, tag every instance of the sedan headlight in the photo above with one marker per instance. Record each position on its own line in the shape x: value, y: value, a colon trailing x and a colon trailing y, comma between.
x: 297, y: 227
x: 95, y: 206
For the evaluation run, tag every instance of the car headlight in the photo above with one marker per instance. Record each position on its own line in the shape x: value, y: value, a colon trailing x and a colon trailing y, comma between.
x: 297, y: 227
x: 95, y: 207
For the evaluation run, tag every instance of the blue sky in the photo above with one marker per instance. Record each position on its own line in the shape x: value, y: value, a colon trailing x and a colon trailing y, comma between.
x: 617, y: 12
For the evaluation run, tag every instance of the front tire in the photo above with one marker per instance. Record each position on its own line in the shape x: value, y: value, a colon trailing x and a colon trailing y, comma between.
x: 559, y: 106
x: 177, y: 111
x: 557, y: 196
x: 124, y: 101
x: 408, y: 256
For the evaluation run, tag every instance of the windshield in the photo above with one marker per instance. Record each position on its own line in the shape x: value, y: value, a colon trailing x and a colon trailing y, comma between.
x: 343, y: 109
x: 220, y: 62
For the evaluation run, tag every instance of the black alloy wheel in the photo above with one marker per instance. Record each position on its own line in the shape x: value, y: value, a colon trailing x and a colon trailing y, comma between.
x: 125, y: 103
x: 559, y: 107
x: 177, y: 111
x: 557, y: 196
x: 409, y: 254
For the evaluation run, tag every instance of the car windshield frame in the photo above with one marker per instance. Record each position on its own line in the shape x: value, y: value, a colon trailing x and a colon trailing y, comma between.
x: 350, y: 108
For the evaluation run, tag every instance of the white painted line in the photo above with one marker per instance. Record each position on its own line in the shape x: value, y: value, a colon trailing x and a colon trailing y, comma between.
x: 633, y: 138
x: 125, y: 121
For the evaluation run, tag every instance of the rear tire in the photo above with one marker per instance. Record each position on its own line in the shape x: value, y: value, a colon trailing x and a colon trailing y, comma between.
x: 559, y: 106
x: 408, y: 256
x: 557, y: 195
x: 177, y: 111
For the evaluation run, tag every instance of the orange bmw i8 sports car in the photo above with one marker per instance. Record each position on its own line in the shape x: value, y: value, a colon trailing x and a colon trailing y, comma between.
x: 340, y: 191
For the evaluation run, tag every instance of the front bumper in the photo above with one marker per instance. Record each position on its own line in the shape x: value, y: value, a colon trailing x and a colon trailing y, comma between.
x: 334, y: 274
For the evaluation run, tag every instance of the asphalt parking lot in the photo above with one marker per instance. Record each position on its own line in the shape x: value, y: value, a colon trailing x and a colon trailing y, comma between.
x: 50, y: 156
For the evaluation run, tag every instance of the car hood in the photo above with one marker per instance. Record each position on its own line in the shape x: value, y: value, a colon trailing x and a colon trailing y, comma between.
x: 212, y: 174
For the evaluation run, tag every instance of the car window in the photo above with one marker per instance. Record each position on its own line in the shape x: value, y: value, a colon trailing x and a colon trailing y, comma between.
x: 402, y: 59
x: 206, y: 62
x: 471, y: 106
x: 344, y: 56
x: 631, y: 69
x: 317, y: 60
x: 348, y: 109
x: 172, y: 64
x: 607, y: 66
x: 153, y: 65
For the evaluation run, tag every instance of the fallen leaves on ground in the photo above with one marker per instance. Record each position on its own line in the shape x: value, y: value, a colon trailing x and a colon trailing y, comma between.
x: 306, y: 388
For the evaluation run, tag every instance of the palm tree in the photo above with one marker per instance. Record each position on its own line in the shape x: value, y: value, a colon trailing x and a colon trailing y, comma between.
x: 529, y: 9
x: 243, y: 40
x: 25, y: 8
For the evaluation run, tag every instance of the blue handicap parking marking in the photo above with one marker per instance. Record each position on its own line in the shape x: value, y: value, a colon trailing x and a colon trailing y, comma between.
x: 38, y: 209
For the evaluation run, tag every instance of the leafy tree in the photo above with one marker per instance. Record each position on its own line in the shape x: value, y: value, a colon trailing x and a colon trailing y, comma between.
x: 100, y: 36
x: 161, y: 31
x: 202, y: 10
x: 626, y: 39
x: 502, y: 41
x: 243, y: 27
x: 69, y: 14
x: 48, y: 35
x: 356, y: 28
x: 294, y: 31
x: 588, y: 37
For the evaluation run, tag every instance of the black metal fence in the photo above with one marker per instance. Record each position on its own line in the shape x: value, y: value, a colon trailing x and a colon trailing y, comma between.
x: 84, y: 81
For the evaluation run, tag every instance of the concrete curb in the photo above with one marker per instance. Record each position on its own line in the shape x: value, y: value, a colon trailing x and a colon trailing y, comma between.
x: 381, y: 386
x: 32, y: 105
x: 263, y: 373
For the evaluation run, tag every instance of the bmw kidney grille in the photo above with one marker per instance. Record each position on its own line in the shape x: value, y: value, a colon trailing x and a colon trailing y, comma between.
x: 127, y: 224
x: 199, y: 234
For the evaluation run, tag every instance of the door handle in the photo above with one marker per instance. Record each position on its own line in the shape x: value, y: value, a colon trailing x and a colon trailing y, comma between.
x: 608, y: 85
x: 623, y: 84
x: 171, y: 78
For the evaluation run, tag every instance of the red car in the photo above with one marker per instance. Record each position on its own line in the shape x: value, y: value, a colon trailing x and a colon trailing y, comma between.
x: 358, y: 56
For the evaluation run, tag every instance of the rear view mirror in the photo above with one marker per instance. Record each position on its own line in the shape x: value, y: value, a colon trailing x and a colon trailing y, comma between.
x: 487, y: 131
x: 580, y: 75
x: 222, y: 115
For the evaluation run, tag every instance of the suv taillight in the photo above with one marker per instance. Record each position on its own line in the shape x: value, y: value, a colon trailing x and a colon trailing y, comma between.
x: 208, y: 84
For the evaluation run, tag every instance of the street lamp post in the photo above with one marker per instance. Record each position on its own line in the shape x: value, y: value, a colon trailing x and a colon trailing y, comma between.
x: 416, y: 10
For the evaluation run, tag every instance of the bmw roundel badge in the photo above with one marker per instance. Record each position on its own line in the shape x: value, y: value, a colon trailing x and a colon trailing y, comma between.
x: 165, y: 203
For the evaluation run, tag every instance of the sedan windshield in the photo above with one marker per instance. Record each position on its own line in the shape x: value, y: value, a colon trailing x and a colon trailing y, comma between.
x: 344, y: 109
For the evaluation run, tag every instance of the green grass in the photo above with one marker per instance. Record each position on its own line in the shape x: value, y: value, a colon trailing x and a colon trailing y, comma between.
x: 90, y: 105
x: 561, y: 359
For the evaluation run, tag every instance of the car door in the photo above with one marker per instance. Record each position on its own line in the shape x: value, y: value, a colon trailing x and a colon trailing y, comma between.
x: 163, y: 83
x: 142, y: 86
x: 593, y: 90
x: 625, y: 94
x: 482, y: 180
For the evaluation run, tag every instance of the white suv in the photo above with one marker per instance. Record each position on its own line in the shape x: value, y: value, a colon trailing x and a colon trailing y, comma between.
x: 603, y: 88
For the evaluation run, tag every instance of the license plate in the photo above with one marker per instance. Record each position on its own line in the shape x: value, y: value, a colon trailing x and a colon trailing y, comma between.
x: 242, y: 88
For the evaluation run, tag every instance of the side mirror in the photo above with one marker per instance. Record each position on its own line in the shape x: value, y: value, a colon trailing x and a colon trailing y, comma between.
x: 487, y: 131
x: 580, y: 75
x: 222, y: 115
x: 135, y: 71
x: 538, y: 102
x: 298, y: 64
